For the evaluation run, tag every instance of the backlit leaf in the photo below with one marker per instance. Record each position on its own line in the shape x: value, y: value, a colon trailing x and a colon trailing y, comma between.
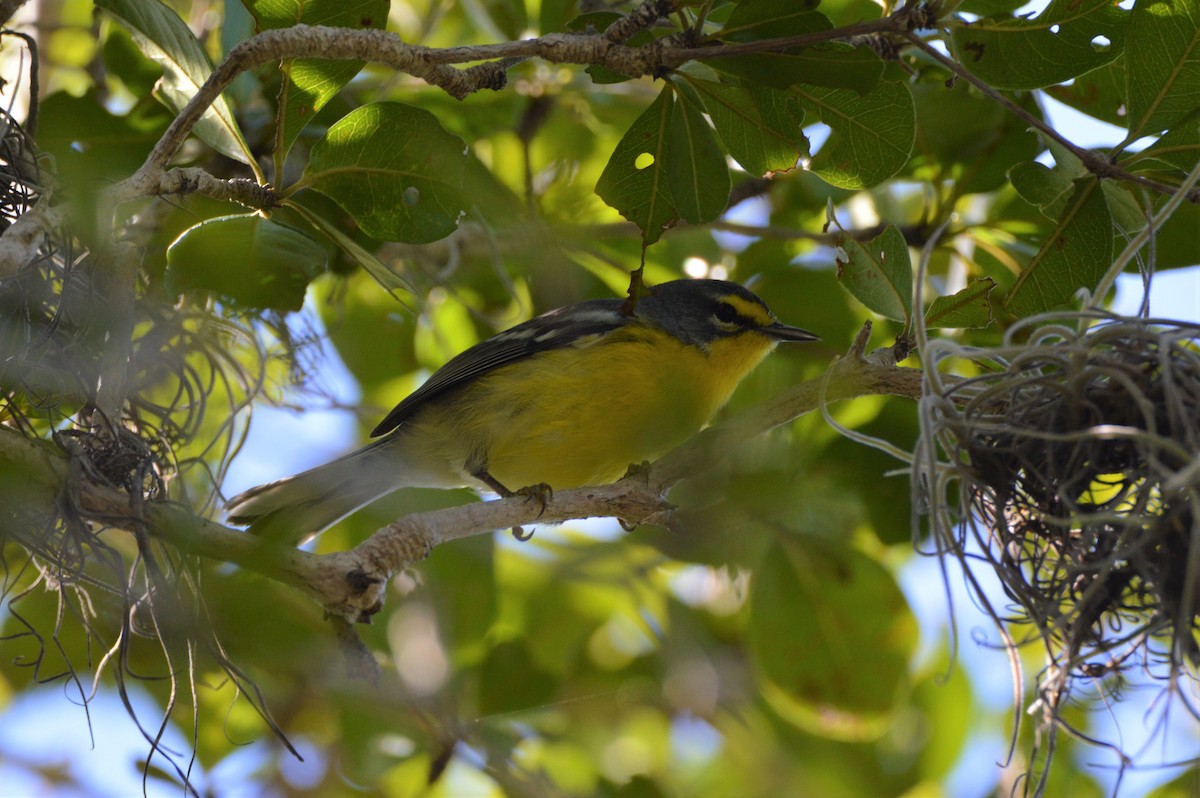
x: 308, y: 84
x: 871, y: 135
x: 166, y: 40
x: 1048, y: 189
x: 696, y: 169
x: 966, y: 308
x: 832, y: 65
x: 963, y: 135
x: 1179, y: 147
x: 755, y: 20
x: 1164, y: 77
x: 760, y: 126
x: 1069, y: 38
x: 1099, y: 94
x: 835, y: 66
x: 879, y: 273
x: 635, y: 180
x: 1075, y: 255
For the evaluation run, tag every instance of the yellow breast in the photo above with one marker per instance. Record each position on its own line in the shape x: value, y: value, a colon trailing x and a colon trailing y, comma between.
x: 582, y: 414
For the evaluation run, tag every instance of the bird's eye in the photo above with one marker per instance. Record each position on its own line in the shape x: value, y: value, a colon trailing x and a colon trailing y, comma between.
x: 726, y: 313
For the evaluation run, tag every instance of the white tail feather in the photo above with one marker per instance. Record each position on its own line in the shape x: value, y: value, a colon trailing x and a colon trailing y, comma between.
x: 299, y: 507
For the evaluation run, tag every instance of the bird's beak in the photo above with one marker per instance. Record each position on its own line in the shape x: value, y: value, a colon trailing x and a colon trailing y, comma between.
x: 785, y: 332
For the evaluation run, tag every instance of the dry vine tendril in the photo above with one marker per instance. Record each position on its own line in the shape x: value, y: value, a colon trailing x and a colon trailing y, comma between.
x: 1074, y: 458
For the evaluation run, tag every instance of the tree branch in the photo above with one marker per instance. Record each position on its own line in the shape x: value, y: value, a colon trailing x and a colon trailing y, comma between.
x: 351, y: 584
x: 435, y: 66
x: 1095, y: 162
x: 193, y: 180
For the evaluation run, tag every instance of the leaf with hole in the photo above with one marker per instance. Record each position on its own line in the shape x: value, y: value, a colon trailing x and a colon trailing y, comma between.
x: 635, y: 180
x: 1067, y: 39
x: 879, y: 273
x: 1099, y: 93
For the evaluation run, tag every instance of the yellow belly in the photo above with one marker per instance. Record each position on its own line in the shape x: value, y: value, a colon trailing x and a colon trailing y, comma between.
x: 581, y: 415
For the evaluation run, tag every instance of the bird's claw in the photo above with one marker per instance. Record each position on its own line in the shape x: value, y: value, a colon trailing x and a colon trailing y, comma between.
x: 541, y: 493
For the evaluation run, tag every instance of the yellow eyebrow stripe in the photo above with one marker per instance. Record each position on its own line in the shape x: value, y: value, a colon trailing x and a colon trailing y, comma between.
x: 749, y: 310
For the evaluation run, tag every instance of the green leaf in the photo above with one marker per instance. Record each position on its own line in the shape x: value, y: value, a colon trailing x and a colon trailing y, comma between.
x: 872, y: 135
x: 165, y: 39
x: 308, y: 84
x: 810, y: 609
x: 254, y: 262
x: 92, y: 147
x: 834, y: 65
x: 389, y: 280
x: 635, y: 181
x: 395, y: 169
x: 696, y: 171
x: 991, y: 8
x: 1176, y: 244
x: 946, y: 694
x: 124, y: 60
x: 1051, y: 189
x: 755, y: 20
x: 964, y: 136
x: 510, y: 17
x: 967, y: 308
x: 1124, y: 204
x: 512, y: 681
x: 1100, y: 93
x: 879, y: 273
x: 1075, y: 255
x: 1179, y: 147
x: 1164, y: 77
x: 1039, y: 185
x: 761, y: 127
x: 1056, y: 45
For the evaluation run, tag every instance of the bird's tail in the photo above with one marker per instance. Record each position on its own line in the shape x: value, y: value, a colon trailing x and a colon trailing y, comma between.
x: 295, y: 509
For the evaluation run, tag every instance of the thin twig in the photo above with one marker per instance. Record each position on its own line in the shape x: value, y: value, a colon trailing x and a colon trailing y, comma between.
x: 351, y: 584
x: 435, y: 66
x: 1094, y: 162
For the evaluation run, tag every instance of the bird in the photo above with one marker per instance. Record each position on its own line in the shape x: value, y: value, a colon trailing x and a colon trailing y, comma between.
x: 572, y: 397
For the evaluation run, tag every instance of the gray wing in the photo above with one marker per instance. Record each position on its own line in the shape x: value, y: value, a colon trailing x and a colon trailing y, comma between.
x: 551, y: 330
